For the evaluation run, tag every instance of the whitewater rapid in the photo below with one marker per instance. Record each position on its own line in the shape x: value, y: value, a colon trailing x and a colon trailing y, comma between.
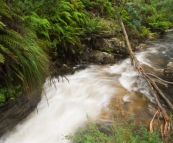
x: 66, y: 103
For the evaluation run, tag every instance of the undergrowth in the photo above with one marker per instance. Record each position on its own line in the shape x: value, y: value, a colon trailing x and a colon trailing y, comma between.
x: 117, y: 132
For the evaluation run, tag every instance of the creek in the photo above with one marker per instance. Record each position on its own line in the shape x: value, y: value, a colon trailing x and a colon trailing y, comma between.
x: 97, y: 91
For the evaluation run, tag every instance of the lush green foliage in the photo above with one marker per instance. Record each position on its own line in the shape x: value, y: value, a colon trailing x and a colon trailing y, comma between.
x: 153, y: 14
x: 167, y: 7
x: 29, y: 28
x: 60, y: 24
x: 118, y: 132
x: 100, y: 7
x: 24, y: 64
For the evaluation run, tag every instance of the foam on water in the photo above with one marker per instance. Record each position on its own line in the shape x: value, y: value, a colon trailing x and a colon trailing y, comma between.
x: 68, y: 105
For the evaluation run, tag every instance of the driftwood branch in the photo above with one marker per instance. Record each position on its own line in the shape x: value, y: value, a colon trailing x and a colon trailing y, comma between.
x: 164, y: 81
x: 153, y: 87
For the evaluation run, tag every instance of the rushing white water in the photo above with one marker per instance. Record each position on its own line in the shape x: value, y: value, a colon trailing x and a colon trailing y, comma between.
x: 87, y: 93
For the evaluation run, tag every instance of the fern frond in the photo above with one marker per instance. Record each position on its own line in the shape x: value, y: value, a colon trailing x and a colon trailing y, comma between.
x: 65, y: 15
x: 58, y: 19
x: 65, y: 6
x: 38, y: 24
x: 14, y: 34
x: 11, y: 43
x: 80, y: 17
x: 95, y: 26
x: 57, y: 28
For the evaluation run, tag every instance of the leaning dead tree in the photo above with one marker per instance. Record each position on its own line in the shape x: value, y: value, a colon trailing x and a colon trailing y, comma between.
x: 151, y: 79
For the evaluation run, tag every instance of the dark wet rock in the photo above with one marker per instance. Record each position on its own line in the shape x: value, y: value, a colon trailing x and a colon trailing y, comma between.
x: 80, y: 66
x: 62, y: 70
x: 15, y: 111
x: 101, y: 57
x: 65, y: 69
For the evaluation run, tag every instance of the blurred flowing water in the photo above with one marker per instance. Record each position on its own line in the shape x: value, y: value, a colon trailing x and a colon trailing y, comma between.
x: 88, y: 92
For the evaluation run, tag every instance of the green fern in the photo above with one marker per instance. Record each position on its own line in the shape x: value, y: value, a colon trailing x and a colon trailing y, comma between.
x: 67, y: 17
x: 65, y: 6
x: 23, y: 61
x: 39, y: 25
x: 95, y: 26
x: 57, y: 19
x: 58, y: 29
x: 81, y: 18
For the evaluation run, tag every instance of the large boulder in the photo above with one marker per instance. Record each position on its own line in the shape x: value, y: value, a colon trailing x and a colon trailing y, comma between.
x: 101, y: 57
x: 113, y: 45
